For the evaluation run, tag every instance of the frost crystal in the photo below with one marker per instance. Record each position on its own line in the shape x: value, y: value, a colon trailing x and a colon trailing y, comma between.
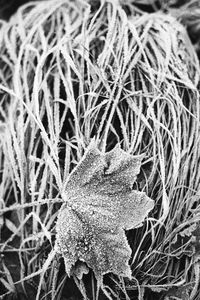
x: 99, y: 205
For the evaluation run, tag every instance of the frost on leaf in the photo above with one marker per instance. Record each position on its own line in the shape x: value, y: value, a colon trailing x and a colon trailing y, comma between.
x: 99, y: 204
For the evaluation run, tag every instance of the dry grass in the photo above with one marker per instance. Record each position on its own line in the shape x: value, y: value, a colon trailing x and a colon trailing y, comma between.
x: 69, y: 74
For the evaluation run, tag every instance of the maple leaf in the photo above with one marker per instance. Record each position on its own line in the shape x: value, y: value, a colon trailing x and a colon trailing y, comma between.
x: 99, y: 205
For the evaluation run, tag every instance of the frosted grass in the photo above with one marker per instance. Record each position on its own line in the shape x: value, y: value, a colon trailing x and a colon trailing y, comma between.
x: 68, y: 74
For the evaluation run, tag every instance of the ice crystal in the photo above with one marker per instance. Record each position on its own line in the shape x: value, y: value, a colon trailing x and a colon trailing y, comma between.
x: 99, y: 205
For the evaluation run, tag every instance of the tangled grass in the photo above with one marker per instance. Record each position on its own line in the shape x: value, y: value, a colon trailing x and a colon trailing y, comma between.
x: 71, y: 71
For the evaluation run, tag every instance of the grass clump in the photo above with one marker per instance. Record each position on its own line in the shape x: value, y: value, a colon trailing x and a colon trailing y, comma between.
x: 71, y: 71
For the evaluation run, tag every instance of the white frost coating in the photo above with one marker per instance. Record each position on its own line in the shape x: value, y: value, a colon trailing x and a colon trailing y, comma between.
x: 100, y: 204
